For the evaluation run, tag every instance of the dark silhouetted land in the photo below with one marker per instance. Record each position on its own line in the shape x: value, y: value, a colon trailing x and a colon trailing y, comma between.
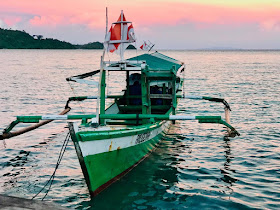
x: 14, y: 39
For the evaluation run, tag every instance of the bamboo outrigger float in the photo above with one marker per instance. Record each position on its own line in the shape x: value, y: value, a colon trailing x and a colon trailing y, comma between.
x: 112, y: 141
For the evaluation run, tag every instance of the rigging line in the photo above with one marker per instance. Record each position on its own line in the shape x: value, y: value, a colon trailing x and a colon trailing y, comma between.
x: 55, y: 168
x: 76, y: 96
x: 4, y: 143
x: 61, y: 153
x: 58, y: 162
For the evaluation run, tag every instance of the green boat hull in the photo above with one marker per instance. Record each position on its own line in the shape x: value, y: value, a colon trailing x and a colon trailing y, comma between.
x: 102, y: 169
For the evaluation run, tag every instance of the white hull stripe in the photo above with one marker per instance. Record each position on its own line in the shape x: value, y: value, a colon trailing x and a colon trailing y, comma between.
x: 107, y: 145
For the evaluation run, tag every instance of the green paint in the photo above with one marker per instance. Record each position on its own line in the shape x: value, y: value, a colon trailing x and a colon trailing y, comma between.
x: 105, y: 166
x: 158, y: 61
x: 102, y: 95
x: 100, y: 135
x: 208, y: 119
x: 145, y: 104
x: 11, y: 126
x: 29, y: 119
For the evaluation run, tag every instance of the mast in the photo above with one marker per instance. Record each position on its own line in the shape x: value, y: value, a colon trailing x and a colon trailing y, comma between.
x: 122, y: 38
x: 116, y: 40
x: 106, y: 21
x: 100, y: 104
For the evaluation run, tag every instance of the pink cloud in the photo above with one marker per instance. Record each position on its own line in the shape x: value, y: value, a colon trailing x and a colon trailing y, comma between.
x: 180, y: 13
x: 92, y: 13
x: 11, y: 20
x: 50, y: 20
x: 270, y: 25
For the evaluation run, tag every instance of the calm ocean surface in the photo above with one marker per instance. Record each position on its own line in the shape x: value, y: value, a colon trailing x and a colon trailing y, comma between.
x: 193, y: 167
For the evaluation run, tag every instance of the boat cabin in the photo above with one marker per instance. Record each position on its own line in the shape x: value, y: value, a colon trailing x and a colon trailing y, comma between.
x: 152, y: 86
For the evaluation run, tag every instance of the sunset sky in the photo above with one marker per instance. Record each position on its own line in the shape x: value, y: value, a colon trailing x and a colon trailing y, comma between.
x: 171, y: 24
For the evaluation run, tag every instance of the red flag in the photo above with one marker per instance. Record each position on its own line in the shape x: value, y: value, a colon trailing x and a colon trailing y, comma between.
x: 114, y: 34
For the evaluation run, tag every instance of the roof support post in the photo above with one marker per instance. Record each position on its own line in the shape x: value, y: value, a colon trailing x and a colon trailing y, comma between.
x: 144, y: 88
x: 148, y: 97
x: 127, y: 88
x: 173, y: 85
x: 102, y: 96
x: 122, y: 38
x: 164, y: 92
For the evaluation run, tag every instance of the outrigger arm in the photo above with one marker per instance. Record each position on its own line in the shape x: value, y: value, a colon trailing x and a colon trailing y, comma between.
x: 221, y: 100
x: 84, y: 118
x: 7, y: 134
x: 48, y: 118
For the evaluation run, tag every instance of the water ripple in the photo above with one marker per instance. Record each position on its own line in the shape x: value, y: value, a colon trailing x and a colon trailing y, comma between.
x: 194, y: 166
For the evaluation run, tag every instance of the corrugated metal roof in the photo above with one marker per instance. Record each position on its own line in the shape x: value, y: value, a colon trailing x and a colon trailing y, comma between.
x: 158, y: 61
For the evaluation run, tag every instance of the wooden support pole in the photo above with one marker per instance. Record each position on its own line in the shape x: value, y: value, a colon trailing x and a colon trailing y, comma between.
x: 30, y: 128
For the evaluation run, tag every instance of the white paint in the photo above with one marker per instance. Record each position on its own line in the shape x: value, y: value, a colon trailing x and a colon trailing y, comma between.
x: 181, y: 117
x: 180, y: 69
x: 54, y: 117
x: 101, y: 146
x: 126, y: 61
x: 95, y: 120
x: 120, y: 68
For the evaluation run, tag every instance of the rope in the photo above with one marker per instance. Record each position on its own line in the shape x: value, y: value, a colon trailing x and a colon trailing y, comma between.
x: 4, y: 143
x: 50, y: 181
x: 76, y: 96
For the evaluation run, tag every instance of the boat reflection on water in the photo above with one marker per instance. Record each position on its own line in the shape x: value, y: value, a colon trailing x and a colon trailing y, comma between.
x: 227, y: 171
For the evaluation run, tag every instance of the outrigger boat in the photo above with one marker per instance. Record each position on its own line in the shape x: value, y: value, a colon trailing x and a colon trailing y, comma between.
x: 115, y: 139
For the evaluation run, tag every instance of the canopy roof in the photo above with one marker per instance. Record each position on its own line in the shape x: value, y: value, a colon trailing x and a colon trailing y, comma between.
x: 158, y: 61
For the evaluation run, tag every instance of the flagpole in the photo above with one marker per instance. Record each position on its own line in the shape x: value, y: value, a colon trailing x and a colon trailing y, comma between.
x: 121, y: 50
x: 95, y: 120
x: 106, y: 21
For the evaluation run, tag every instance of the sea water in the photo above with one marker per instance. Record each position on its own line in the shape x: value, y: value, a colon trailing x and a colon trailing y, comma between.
x: 193, y: 167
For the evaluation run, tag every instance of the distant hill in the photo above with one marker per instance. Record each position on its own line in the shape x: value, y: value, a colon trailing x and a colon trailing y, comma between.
x: 98, y: 45
x: 221, y: 48
x: 14, y: 39
x: 92, y: 45
x: 10, y: 39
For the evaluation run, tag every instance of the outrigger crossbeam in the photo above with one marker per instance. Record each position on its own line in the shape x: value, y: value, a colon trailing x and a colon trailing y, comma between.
x: 84, y: 118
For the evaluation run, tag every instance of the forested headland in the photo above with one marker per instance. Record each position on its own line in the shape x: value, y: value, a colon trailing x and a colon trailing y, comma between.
x: 14, y: 39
